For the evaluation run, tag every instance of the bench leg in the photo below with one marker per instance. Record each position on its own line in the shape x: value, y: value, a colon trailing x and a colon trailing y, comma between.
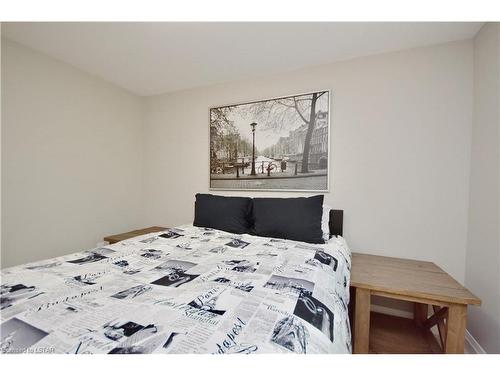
x: 362, y: 321
x: 455, y: 329
x: 420, y: 311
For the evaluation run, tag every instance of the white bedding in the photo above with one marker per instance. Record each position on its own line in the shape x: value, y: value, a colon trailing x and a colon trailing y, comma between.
x: 184, y: 290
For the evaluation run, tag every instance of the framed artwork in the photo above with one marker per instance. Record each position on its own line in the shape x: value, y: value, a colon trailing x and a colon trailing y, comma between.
x: 273, y: 144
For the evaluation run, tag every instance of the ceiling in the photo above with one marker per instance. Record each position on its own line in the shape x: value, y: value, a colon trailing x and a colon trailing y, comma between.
x: 154, y: 58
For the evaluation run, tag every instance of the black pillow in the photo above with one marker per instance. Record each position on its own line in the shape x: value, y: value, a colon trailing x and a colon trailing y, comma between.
x: 230, y: 214
x: 291, y: 218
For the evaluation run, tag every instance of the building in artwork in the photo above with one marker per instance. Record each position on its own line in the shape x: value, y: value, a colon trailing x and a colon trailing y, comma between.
x: 292, y: 146
x: 318, y: 155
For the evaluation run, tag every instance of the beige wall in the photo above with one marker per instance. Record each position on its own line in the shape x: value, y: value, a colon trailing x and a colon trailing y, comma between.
x: 71, y: 158
x: 483, y: 248
x: 400, y: 150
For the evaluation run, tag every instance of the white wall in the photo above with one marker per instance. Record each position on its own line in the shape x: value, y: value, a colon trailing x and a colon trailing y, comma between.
x: 71, y: 157
x: 77, y: 163
x: 483, y: 248
x: 1, y: 40
x: 400, y: 151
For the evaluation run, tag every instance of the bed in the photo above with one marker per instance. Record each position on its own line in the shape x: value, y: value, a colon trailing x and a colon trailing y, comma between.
x: 187, y: 289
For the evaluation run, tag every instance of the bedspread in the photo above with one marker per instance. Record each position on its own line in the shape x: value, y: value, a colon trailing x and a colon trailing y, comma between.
x: 183, y: 290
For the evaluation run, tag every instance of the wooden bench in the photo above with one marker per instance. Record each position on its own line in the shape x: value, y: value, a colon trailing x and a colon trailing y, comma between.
x: 422, y: 283
x: 114, y: 238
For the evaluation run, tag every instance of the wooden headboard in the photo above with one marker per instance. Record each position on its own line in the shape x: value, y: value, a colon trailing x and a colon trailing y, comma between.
x: 336, y: 222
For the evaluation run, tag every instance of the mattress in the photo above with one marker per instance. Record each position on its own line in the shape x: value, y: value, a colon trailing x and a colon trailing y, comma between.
x: 183, y: 290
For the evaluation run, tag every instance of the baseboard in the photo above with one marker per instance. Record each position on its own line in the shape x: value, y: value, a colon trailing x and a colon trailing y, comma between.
x: 472, y: 346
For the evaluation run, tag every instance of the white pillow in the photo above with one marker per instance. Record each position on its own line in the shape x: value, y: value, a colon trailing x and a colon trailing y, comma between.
x: 325, y: 220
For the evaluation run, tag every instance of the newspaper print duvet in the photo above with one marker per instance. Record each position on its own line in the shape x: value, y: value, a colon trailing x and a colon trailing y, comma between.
x: 184, y: 290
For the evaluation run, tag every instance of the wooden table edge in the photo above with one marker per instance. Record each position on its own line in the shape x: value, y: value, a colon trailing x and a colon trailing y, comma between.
x: 472, y: 300
x: 113, y: 238
x: 435, y: 299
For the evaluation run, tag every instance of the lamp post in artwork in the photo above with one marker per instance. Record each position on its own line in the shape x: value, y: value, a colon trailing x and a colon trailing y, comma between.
x: 236, y: 155
x: 253, y: 125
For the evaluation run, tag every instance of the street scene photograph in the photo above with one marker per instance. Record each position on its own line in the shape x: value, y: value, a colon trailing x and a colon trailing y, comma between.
x: 275, y: 144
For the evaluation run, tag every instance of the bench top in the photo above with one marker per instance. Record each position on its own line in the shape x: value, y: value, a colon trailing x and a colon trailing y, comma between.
x: 134, y: 233
x: 408, y: 279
